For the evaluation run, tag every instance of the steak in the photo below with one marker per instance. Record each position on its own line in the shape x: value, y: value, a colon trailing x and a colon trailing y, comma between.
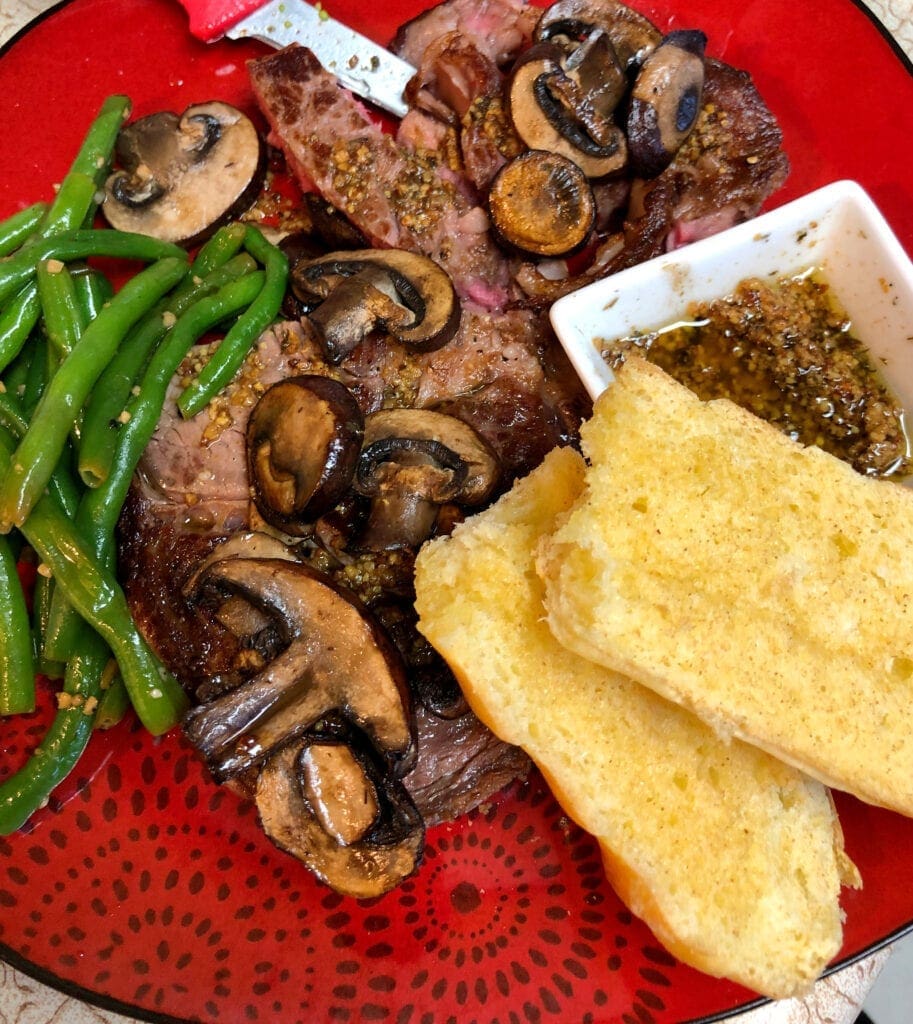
x: 397, y: 196
x: 498, y: 29
x: 502, y: 372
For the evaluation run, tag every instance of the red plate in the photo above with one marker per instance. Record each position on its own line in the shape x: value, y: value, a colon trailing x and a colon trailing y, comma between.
x: 145, y: 888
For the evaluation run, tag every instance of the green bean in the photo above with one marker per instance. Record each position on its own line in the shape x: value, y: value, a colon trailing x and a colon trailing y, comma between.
x: 62, y: 745
x: 219, y: 249
x: 11, y: 417
x: 93, y: 290
x: 76, y: 195
x: 41, y: 447
x: 109, y: 398
x: 73, y: 205
x: 17, y: 321
x: 19, y: 226
x: 113, y: 703
x: 63, y: 489
x: 15, y: 375
x: 42, y: 602
x: 76, y: 245
x: 61, y: 309
x: 233, y: 348
x: 17, y: 666
x: 93, y: 591
x: 100, y: 507
x: 61, y: 485
x: 37, y: 378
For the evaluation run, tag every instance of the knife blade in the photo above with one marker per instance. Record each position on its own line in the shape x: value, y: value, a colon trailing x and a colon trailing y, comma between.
x: 359, y: 63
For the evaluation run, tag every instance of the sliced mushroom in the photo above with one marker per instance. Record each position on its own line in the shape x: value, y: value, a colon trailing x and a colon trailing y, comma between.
x: 666, y: 101
x: 598, y: 84
x: 235, y: 613
x: 336, y: 660
x: 339, y: 789
x: 357, y: 863
x: 303, y: 440
x: 551, y: 111
x: 403, y: 293
x: 541, y: 204
x: 182, y: 177
x: 412, y: 461
x: 632, y: 35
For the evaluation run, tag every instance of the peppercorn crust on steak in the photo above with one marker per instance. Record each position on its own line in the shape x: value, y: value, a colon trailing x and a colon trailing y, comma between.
x: 734, y: 859
x: 766, y: 586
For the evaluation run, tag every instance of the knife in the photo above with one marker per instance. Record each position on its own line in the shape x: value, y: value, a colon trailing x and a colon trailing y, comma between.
x: 362, y: 66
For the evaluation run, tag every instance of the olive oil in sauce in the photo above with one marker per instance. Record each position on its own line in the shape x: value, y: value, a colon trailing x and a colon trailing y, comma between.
x: 784, y: 350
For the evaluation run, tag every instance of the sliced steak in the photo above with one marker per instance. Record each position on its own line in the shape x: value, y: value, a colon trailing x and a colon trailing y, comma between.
x: 196, y: 469
x: 397, y: 196
x: 452, y: 75
x: 459, y: 762
x: 498, y: 29
x: 731, y: 163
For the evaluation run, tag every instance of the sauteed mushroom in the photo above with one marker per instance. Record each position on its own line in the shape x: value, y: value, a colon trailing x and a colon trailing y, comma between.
x: 551, y: 111
x: 327, y: 724
x: 631, y: 34
x: 542, y: 204
x: 666, y: 100
x: 356, y: 856
x: 412, y: 461
x: 182, y: 177
x: 356, y: 292
x: 361, y: 679
x: 303, y: 439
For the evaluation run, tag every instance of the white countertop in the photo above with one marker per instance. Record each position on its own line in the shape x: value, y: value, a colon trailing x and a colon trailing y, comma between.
x: 836, y: 1000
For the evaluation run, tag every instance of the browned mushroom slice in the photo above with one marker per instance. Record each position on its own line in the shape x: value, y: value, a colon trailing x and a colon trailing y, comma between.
x: 303, y: 440
x: 597, y: 83
x: 182, y: 177
x: 413, y: 461
x: 542, y: 204
x: 367, y: 865
x: 336, y: 659
x: 666, y: 101
x: 552, y: 112
x: 235, y: 613
x: 632, y: 35
x: 403, y: 293
x: 339, y: 789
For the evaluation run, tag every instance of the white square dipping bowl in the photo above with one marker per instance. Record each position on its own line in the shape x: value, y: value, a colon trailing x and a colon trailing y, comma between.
x: 837, y: 230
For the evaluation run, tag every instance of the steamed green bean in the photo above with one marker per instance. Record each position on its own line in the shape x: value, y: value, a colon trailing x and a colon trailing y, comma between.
x: 232, y: 350
x: 18, y: 227
x: 41, y: 447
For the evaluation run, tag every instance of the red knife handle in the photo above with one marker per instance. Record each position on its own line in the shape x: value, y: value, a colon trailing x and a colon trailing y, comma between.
x: 211, y: 19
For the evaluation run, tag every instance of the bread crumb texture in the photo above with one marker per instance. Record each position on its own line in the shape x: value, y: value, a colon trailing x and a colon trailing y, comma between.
x: 764, y: 585
x: 734, y: 859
